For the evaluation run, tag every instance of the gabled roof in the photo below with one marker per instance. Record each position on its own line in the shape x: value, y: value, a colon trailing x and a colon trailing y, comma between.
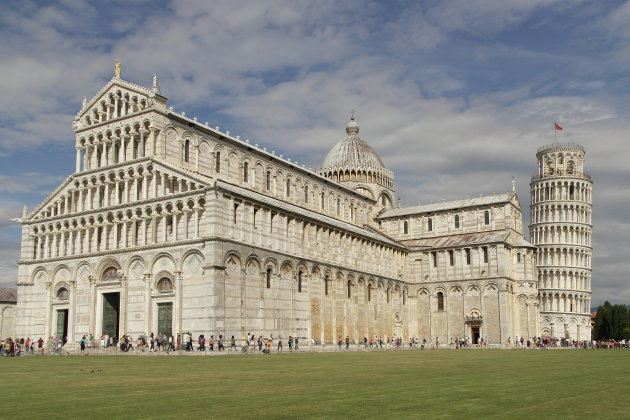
x: 114, y: 82
x: 200, y: 179
x: 307, y: 213
x: 452, y: 205
x: 468, y: 239
x: 8, y: 294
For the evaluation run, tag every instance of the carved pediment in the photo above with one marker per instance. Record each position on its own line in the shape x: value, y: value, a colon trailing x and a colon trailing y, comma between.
x: 117, y: 99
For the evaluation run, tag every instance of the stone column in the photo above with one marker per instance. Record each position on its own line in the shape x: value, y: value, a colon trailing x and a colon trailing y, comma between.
x: 185, y: 214
x: 197, y: 211
x: 141, y: 146
x: 123, y: 328
x: 125, y: 227
x: 145, y: 230
x: 72, y: 313
x: 115, y: 227
x: 145, y: 187
x: 78, y: 160
x: 92, y: 281
x: 148, y: 277
x: 154, y: 178
x: 177, y: 310
x: 109, y: 146
x: 107, y: 183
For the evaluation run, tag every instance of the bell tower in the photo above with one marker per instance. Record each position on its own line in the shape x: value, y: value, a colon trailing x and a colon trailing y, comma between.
x: 561, y: 228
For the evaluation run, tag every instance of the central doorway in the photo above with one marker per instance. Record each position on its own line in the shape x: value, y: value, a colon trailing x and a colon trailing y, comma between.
x: 62, y: 324
x: 111, y: 313
x: 475, y: 334
x: 165, y: 319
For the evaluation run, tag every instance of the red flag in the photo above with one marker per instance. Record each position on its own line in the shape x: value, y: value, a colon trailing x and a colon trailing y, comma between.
x: 557, y: 126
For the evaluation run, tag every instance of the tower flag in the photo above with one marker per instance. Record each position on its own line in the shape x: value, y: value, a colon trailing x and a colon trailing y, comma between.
x: 556, y: 127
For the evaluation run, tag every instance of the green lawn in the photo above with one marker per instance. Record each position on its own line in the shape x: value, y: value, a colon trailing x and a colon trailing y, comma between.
x: 406, y: 384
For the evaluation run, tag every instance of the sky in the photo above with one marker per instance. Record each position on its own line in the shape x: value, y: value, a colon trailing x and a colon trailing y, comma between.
x: 455, y: 96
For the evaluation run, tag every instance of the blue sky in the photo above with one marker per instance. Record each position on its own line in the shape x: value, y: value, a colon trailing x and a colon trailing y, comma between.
x: 456, y: 96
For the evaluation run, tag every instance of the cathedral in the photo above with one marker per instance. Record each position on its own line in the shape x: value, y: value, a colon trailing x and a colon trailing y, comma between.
x: 169, y: 225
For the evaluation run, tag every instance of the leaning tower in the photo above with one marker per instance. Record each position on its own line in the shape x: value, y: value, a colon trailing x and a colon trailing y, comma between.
x: 561, y: 229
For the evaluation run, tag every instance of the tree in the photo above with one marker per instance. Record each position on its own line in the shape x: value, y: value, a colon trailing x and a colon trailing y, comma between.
x: 611, y: 322
x: 619, y: 320
x: 603, y: 327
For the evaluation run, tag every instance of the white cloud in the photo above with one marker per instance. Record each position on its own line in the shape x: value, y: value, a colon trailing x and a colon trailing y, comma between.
x: 450, y: 123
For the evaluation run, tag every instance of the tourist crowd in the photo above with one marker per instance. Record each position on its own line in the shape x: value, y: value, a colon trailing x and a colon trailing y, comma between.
x: 250, y: 343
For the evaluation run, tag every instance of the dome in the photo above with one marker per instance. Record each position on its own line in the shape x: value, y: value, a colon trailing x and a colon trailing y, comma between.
x: 352, y: 152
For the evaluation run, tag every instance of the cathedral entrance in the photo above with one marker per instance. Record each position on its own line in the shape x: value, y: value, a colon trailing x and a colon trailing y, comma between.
x: 165, y: 319
x: 111, y: 313
x: 475, y: 334
x: 62, y: 324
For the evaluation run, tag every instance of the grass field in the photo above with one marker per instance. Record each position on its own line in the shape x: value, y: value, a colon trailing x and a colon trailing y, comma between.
x: 406, y: 384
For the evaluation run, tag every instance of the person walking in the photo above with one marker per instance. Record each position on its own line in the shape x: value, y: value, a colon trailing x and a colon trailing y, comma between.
x: 280, y: 344
x: 347, y: 343
x: 296, y: 342
x: 290, y: 343
x: 232, y: 343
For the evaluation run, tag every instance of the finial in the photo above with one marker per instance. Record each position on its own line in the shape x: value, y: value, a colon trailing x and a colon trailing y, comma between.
x: 24, y: 212
x: 352, y: 128
x: 117, y: 69
x: 84, y: 102
x: 155, y: 86
x: 513, y: 184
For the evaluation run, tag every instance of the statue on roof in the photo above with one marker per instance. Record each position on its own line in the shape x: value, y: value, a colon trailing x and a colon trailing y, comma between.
x: 117, y: 69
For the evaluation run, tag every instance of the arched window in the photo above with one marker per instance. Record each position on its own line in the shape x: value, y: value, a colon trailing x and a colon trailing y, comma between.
x: 268, y: 180
x: 405, y: 227
x: 457, y: 221
x: 468, y: 256
x: 63, y: 294
x: 169, y: 224
x: 187, y: 151
x: 323, y: 201
x: 268, y: 277
x: 369, y: 293
x: 338, y: 206
x: 245, y: 172
x: 434, y: 258
x: 164, y: 285
x: 430, y: 224
x: 486, y: 217
x: 570, y: 167
x: 388, y: 294
x: 349, y: 289
x: 440, y: 301
x: 451, y: 258
x: 288, y: 188
x: 306, y: 193
x: 299, y: 281
x: 518, y: 257
x: 326, y: 285
x: 235, y: 213
x: 485, y: 254
x: 217, y: 162
x: 404, y: 297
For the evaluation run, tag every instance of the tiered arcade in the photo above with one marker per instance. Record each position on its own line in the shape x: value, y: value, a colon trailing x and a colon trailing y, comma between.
x: 561, y: 229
